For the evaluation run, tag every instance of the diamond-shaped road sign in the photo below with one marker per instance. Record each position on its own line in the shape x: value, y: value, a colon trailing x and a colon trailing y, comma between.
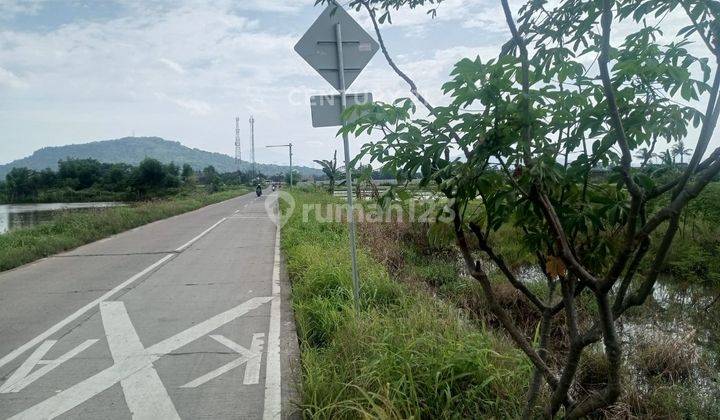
x: 319, y: 46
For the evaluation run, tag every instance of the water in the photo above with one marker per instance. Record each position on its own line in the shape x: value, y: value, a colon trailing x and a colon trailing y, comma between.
x: 686, y: 315
x: 16, y: 216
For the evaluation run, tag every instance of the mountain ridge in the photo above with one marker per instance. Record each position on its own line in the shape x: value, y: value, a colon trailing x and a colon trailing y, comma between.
x: 132, y: 150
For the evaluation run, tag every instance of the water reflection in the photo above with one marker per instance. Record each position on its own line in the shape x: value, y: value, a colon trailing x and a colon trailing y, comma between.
x: 16, y: 216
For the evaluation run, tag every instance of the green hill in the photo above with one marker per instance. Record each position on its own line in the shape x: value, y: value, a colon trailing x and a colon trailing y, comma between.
x: 133, y: 150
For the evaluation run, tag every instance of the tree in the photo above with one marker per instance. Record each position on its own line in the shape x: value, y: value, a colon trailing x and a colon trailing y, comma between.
x: 680, y: 150
x: 331, y: 170
x: 20, y: 184
x: 187, y: 173
x: 172, y: 175
x: 364, y: 177
x: 295, y: 178
x: 79, y: 173
x: 149, y: 176
x: 645, y: 155
x: 211, y: 179
x: 3, y: 192
x: 540, y: 103
x: 117, y: 177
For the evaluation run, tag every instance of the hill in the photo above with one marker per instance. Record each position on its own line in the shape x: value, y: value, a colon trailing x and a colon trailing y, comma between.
x: 133, y: 150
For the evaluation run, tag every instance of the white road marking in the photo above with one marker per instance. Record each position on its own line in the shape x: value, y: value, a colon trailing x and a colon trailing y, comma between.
x: 145, y: 394
x: 252, y: 357
x: 83, y: 391
x: 80, y: 312
x: 273, y: 377
x: 197, y: 238
x: 22, y: 377
x: 25, y: 369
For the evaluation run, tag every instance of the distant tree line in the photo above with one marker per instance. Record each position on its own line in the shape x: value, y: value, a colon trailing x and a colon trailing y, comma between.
x: 89, y: 179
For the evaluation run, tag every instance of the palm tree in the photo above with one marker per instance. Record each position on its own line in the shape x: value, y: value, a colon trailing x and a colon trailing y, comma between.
x: 680, y: 150
x: 330, y: 169
x: 645, y: 155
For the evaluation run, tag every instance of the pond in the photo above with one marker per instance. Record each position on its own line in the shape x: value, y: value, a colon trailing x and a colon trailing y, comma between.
x: 679, y: 315
x: 15, y: 216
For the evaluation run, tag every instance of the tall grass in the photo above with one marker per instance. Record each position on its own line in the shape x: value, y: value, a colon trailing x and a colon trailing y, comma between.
x: 72, y: 229
x: 403, y: 355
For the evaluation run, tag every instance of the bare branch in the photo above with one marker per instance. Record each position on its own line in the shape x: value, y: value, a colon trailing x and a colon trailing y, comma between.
x: 500, y: 263
x: 507, y: 323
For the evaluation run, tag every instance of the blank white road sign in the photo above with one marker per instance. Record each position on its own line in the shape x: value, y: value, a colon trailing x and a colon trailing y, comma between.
x: 319, y: 46
x: 327, y: 109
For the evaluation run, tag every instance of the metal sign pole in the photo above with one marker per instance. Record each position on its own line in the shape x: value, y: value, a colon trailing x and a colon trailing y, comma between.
x: 348, y: 170
x: 291, y: 169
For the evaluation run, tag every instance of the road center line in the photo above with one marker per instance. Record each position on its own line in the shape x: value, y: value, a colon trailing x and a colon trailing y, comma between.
x: 197, y: 238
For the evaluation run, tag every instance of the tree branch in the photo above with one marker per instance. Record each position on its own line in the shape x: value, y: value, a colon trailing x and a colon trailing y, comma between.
x: 500, y: 263
x: 411, y: 83
x: 478, y: 274
x: 603, y: 60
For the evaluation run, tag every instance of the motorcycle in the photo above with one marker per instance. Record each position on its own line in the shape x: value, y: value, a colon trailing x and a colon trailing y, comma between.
x: 258, y: 191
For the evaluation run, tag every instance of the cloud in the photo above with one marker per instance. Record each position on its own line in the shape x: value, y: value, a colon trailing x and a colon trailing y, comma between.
x: 172, y: 65
x: 484, y: 14
x: 284, y: 6
x: 153, y: 63
x: 9, y: 9
x: 195, y: 107
x: 9, y: 79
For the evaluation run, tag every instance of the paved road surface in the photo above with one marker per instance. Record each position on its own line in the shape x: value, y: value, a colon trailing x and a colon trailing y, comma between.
x: 182, y: 318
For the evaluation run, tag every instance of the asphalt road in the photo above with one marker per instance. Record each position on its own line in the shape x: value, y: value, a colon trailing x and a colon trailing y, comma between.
x: 186, y: 318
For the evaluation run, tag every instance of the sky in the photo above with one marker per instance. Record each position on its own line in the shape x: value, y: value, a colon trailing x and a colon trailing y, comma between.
x: 75, y: 71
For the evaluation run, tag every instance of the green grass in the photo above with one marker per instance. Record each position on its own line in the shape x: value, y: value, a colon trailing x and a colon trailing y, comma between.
x: 72, y: 229
x: 403, y: 354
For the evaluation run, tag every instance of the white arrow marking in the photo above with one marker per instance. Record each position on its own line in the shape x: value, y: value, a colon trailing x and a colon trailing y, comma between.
x: 22, y: 376
x: 79, y: 393
x: 145, y: 393
x: 80, y: 312
x: 252, y: 357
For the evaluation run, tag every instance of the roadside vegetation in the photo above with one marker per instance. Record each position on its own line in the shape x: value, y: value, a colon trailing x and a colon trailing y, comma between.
x: 425, y: 320
x: 404, y: 354
x: 673, y: 373
x: 85, y: 180
x: 72, y: 229
x: 543, y: 140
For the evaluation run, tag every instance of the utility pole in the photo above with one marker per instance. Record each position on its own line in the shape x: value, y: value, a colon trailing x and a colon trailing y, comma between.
x: 289, y: 146
x: 238, y: 149
x: 252, y: 144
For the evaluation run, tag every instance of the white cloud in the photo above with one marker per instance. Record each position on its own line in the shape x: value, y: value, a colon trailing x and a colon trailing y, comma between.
x: 11, y: 8
x: 284, y: 6
x: 195, y: 107
x: 9, y: 79
x: 485, y: 14
x: 172, y: 65
x: 183, y: 69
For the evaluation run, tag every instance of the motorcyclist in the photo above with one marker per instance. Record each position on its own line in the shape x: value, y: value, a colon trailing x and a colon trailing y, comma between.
x: 258, y: 190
